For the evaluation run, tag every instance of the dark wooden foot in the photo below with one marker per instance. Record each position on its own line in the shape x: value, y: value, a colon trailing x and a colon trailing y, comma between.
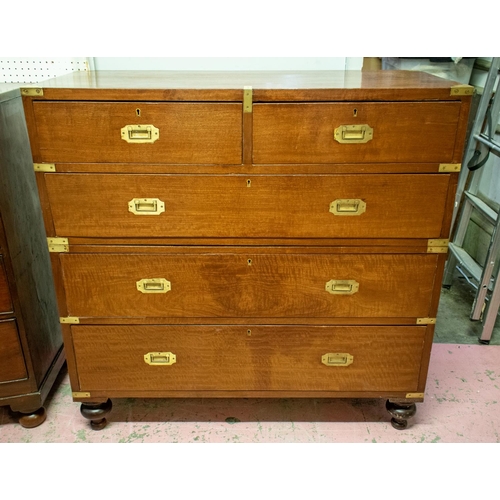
x: 400, y: 413
x: 33, y: 419
x: 96, y: 413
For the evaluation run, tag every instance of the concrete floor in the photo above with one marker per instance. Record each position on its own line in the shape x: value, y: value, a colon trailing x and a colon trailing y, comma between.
x: 453, y: 325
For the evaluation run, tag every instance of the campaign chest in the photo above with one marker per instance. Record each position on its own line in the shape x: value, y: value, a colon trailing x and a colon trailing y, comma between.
x: 31, y: 345
x: 247, y: 234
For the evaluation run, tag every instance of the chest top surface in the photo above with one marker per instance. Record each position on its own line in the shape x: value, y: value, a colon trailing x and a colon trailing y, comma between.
x: 266, y: 85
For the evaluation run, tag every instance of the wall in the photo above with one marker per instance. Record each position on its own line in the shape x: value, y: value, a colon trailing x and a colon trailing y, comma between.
x: 227, y: 63
x: 22, y: 69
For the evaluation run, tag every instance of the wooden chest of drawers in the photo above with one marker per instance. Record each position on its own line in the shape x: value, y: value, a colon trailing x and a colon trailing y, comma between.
x: 248, y: 234
x: 31, y: 347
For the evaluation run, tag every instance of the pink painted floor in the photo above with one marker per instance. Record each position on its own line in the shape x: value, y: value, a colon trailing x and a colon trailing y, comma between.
x: 461, y: 406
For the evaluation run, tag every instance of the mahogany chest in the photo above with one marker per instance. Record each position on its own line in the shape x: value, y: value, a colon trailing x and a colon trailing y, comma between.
x: 31, y: 346
x: 247, y: 234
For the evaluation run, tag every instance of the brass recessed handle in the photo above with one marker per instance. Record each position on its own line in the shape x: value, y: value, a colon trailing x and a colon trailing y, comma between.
x: 140, y: 134
x: 348, y: 207
x: 337, y: 359
x: 353, y: 134
x: 342, y: 287
x: 160, y: 358
x: 153, y: 285
x: 146, y: 206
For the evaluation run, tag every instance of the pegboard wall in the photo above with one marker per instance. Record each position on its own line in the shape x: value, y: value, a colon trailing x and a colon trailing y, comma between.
x: 34, y: 70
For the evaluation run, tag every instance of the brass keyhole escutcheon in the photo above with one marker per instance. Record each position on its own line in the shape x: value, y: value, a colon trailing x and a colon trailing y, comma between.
x: 249, y: 183
x: 249, y: 262
x: 355, y: 112
x: 138, y: 112
x: 249, y: 332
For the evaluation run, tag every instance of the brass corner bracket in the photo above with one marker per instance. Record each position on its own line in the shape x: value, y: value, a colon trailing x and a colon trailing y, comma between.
x: 450, y: 167
x: 32, y: 92
x: 58, y: 244
x: 462, y: 90
x: 247, y: 99
x: 437, y: 246
x: 44, y: 167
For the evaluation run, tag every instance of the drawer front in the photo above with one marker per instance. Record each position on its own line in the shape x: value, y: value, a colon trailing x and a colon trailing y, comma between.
x: 92, y: 132
x: 5, y: 298
x: 402, y: 132
x: 326, y: 206
x: 260, y: 358
x: 12, y: 365
x: 248, y: 285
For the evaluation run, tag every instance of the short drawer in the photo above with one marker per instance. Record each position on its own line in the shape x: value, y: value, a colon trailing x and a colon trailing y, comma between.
x: 194, y: 133
x: 246, y: 358
x: 252, y: 285
x: 5, y: 298
x: 310, y: 132
x: 259, y: 206
x: 12, y: 365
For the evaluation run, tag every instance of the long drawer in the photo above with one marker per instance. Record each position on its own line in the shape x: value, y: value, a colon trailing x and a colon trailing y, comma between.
x: 12, y: 365
x: 309, y: 132
x: 326, y: 206
x: 252, y: 285
x: 115, y: 132
x: 5, y: 298
x: 248, y: 358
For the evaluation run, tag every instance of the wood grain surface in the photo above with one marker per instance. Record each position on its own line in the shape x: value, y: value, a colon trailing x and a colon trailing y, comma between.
x: 91, y: 132
x: 5, y: 298
x: 251, y: 206
x: 248, y: 285
x: 12, y: 365
x: 248, y: 358
x: 402, y: 132
x: 267, y: 85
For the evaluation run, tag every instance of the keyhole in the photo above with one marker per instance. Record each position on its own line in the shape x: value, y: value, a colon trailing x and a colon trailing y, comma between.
x: 355, y: 112
x: 249, y: 261
x: 249, y: 332
x: 249, y: 183
x: 138, y: 111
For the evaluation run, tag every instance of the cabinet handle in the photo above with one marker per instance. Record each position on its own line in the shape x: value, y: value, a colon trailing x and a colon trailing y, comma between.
x: 348, y: 207
x: 146, y: 206
x: 160, y: 358
x: 153, y: 285
x: 342, y: 287
x: 353, y: 134
x: 140, y: 134
x: 337, y: 359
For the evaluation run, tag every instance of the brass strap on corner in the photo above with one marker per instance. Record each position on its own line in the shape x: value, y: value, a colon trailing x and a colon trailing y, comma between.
x: 426, y: 321
x: 462, y: 90
x: 44, y: 167
x: 58, y: 245
x: 247, y: 99
x: 32, y: 92
x: 81, y: 394
x: 437, y: 246
x: 71, y: 320
x: 450, y: 167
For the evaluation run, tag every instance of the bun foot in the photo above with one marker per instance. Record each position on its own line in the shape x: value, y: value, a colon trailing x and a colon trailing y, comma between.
x: 96, y: 413
x: 34, y: 419
x: 400, y: 413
